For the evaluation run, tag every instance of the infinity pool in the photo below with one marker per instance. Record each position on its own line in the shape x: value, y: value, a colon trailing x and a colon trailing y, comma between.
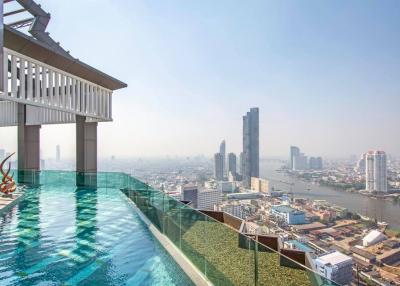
x: 60, y: 235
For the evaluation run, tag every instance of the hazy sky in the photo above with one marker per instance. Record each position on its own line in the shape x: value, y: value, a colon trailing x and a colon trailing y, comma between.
x: 325, y: 74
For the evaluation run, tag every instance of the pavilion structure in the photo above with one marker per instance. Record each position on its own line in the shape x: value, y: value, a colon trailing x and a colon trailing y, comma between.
x: 42, y: 83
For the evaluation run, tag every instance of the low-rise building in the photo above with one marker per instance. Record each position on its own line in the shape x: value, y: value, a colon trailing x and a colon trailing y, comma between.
x: 363, y: 255
x: 373, y: 237
x: 392, y: 243
x: 306, y: 228
x: 335, y: 266
x: 252, y: 228
x: 288, y: 214
x: 389, y: 257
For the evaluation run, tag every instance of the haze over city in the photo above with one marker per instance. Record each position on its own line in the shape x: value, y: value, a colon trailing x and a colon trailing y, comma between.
x: 324, y: 75
x: 201, y: 143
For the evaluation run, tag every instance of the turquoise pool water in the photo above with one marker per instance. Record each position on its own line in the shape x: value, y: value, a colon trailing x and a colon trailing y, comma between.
x: 59, y: 235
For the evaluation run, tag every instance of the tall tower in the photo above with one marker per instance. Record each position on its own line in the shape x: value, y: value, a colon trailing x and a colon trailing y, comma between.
x: 232, y: 163
x: 241, y: 168
x: 222, y: 151
x: 218, y: 167
x: 376, y: 171
x: 294, y: 152
x: 251, y: 155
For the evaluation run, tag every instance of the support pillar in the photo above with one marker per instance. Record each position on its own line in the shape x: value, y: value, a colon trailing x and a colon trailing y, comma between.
x: 28, y: 149
x: 86, y: 152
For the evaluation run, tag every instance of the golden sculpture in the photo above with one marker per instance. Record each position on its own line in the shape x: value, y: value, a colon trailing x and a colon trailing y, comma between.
x: 7, y: 185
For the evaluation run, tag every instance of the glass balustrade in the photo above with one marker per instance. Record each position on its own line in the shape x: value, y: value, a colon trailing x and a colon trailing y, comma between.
x: 224, y: 255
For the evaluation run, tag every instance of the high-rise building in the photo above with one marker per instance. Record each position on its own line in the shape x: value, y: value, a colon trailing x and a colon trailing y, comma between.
x: 207, y: 198
x: 241, y: 163
x: 251, y: 155
x: 360, y: 167
x: 294, y: 152
x: 259, y: 185
x: 58, y: 153
x: 232, y: 163
x: 218, y: 167
x: 376, y: 171
x: 300, y: 162
x: 319, y: 163
x: 315, y: 163
x: 222, y: 151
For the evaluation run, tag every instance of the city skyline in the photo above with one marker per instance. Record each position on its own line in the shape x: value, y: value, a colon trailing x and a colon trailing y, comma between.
x: 129, y: 182
x: 315, y: 93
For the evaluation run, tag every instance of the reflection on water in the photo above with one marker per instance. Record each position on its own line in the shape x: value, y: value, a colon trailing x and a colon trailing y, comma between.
x: 86, y: 211
x: 28, y: 229
x: 382, y: 210
x: 60, y: 235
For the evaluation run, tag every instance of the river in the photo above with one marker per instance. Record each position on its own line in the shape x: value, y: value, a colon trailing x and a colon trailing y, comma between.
x: 382, y: 210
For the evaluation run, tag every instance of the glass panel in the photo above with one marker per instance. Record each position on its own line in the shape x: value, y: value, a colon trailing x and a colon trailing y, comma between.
x: 173, y: 220
x: 276, y: 269
x: 229, y: 255
x: 193, y: 236
x: 222, y: 254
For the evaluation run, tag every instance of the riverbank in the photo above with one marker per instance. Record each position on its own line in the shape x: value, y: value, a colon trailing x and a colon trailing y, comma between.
x: 381, y: 210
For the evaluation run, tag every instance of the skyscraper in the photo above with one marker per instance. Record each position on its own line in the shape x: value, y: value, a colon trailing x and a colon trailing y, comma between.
x: 375, y: 171
x: 251, y: 155
x: 232, y: 163
x: 222, y: 151
x: 360, y: 166
x: 294, y: 152
x: 300, y: 162
x: 241, y: 163
x: 315, y: 163
x: 218, y: 167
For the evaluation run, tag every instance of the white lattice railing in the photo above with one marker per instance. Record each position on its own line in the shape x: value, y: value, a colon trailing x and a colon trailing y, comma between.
x: 38, y: 84
x: 35, y: 115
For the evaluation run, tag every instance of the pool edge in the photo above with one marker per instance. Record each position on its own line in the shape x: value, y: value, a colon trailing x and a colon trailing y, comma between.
x: 184, y: 263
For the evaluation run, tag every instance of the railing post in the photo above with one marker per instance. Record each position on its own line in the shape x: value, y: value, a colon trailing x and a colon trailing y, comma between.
x: 5, y: 72
x: 29, y: 83
x: 256, y: 261
x: 21, y: 78
x: 13, y: 76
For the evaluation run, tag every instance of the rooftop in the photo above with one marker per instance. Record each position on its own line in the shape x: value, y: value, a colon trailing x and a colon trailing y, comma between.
x: 373, y: 235
x: 309, y: 226
x: 334, y: 258
x: 362, y: 252
x: 286, y: 209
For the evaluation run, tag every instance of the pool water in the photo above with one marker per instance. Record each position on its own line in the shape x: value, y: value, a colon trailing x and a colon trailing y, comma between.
x: 59, y: 235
